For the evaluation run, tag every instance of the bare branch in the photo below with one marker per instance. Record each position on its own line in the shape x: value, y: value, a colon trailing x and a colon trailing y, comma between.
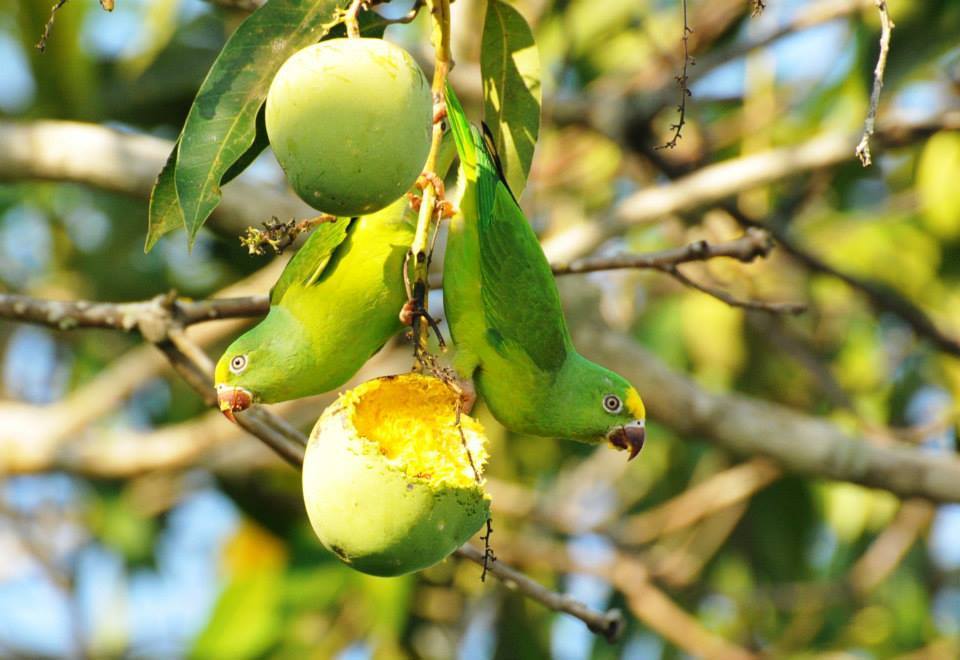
x: 880, y: 296
x: 713, y: 183
x: 609, y: 624
x: 67, y: 315
x: 886, y: 27
x: 723, y: 296
x: 750, y: 246
x: 891, y: 546
x: 647, y: 602
x: 128, y: 163
x: 748, y: 427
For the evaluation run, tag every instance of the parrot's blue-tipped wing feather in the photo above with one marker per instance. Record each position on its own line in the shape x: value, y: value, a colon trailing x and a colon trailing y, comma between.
x: 311, y: 259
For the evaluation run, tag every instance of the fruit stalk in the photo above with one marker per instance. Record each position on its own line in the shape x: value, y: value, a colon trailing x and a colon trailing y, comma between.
x: 421, y: 247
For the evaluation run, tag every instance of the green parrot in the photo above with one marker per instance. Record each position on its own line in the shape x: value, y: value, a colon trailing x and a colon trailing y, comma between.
x: 504, y: 312
x: 336, y: 304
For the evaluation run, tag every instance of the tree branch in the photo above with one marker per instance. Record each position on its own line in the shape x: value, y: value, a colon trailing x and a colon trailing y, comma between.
x: 713, y: 183
x: 749, y: 427
x: 161, y: 327
x: 881, y: 297
x: 609, y: 624
x: 723, y: 296
x: 66, y: 315
x: 752, y: 245
x: 128, y: 163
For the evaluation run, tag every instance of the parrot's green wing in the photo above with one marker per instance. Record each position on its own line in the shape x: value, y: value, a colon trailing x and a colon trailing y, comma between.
x: 520, y: 300
x: 308, y: 263
x: 521, y: 303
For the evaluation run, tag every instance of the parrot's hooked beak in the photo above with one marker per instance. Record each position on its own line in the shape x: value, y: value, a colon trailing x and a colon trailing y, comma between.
x: 629, y: 437
x: 232, y: 400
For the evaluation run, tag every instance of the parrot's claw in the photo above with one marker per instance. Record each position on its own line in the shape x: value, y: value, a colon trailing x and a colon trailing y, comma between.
x: 446, y: 209
x: 468, y: 396
x: 432, y: 179
x: 412, y: 311
x: 439, y: 111
x: 408, y: 312
x: 414, y: 200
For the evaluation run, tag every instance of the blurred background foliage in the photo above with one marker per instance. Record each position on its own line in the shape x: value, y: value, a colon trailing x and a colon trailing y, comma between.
x: 216, y: 559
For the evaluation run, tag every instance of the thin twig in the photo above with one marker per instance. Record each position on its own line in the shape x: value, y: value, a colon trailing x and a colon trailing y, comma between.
x: 682, y: 81
x: 720, y: 491
x: 609, y: 624
x: 757, y: 7
x: 750, y: 246
x: 48, y: 26
x: 881, y: 296
x: 886, y: 27
x: 720, y: 294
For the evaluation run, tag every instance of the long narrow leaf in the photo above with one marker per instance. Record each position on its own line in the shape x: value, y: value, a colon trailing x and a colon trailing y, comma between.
x: 510, y: 67
x: 165, y: 214
x: 221, y: 124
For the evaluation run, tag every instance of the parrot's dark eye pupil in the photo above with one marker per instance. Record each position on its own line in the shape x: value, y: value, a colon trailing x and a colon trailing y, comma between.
x: 238, y: 363
x: 612, y: 403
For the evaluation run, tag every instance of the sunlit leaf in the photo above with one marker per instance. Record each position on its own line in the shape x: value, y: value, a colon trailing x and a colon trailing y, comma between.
x: 937, y: 177
x: 246, y: 620
x: 510, y: 66
x: 164, y: 213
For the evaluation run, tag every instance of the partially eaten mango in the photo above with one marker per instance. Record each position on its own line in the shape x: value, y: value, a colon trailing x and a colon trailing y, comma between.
x: 392, y: 484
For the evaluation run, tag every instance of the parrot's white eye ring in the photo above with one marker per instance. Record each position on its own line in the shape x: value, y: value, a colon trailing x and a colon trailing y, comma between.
x: 238, y: 363
x: 612, y: 404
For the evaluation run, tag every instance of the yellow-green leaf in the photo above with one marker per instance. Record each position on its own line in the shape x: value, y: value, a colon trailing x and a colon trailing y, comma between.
x: 937, y: 177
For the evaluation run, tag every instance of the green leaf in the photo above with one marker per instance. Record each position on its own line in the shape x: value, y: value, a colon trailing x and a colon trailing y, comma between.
x: 937, y: 176
x: 164, y: 214
x: 510, y: 67
x: 260, y: 142
x: 246, y: 621
x: 221, y: 124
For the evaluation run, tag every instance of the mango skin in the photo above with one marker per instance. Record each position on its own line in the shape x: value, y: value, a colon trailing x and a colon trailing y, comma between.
x: 350, y: 121
x: 373, y: 516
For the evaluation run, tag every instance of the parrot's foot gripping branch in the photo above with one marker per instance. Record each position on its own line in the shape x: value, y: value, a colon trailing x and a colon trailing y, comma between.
x: 629, y: 437
x: 444, y: 209
x: 233, y: 400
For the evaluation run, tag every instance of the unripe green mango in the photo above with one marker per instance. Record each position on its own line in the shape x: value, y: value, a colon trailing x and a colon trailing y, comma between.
x: 350, y: 122
x: 387, y: 483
